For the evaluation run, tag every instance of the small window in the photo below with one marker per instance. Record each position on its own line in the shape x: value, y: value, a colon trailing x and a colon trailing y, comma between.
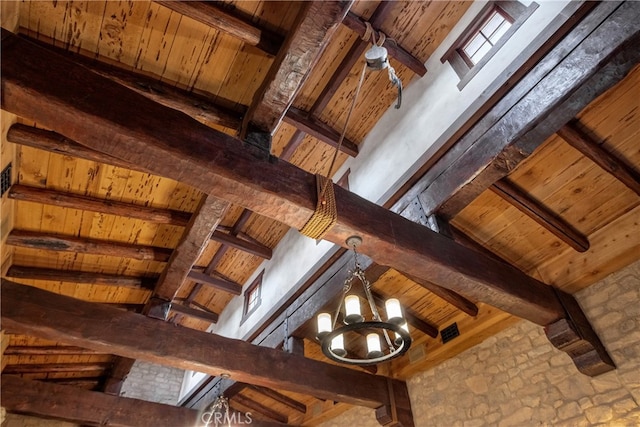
x: 252, y: 297
x: 494, y: 25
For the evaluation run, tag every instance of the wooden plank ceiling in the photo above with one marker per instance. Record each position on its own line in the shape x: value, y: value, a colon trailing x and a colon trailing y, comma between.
x: 100, y: 229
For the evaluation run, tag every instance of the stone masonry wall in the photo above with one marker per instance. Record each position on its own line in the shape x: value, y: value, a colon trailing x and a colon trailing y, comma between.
x: 517, y: 378
x: 153, y: 383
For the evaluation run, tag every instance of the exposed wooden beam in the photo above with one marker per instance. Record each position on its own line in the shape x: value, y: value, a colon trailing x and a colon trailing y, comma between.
x: 159, y: 309
x: 94, y: 204
x: 134, y: 127
x: 53, y: 142
x: 319, y: 130
x: 353, y: 56
x: 72, y: 276
x: 40, y: 399
x: 355, y: 23
x: 292, y: 145
x: 117, y: 375
x: 221, y: 284
x: 50, y: 350
x: 4, y: 344
x: 260, y: 409
x: 43, y: 368
x: 44, y: 241
x: 43, y: 314
x: 279, y: 397
x: 204, y: 107
x: 235, y: 242
x: 540, y: 214
x: 582, y: 142
x: 527, y: 116
x: 214, y: 16
x: 193, y: 242
x: 413, y: 318
x: 314, y: 27
x: 84, y: 382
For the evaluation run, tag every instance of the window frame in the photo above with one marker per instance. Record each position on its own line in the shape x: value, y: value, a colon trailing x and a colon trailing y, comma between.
x: 255, y: 286
x: 512, y: 10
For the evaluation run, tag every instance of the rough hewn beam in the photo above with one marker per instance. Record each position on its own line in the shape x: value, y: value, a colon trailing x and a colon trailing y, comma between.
x: 40, y: 399
x: 93, y: 204
x: 589, y: 61
x: 261, y: 409
x: 160, y: 309
x: 319, y: 130
x: 235, y: 242
x: 214, y: 16
x: 37, y: 240
x: 396, y: 51
x: 134, y: 128
x: 579, y: 140
x: 91, y: 278
x: 194, y: 240
x: 39, y: 313
x: 279, y: 397
x: 47, y: 350
x: 43, y: 368
x: 540, y: 214
x: 308, y: 38
x: 223, y: 285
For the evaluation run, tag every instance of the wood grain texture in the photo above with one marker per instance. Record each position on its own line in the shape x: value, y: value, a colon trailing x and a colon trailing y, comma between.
x: 214, y: 16
x: 319, y: 130
x: 73, y: 404
x: 91, y: 278
x: 216, y: 164
x: 30, y: 310
x: 52, y: 242
x: 196, y: 235
x: 302, y: 47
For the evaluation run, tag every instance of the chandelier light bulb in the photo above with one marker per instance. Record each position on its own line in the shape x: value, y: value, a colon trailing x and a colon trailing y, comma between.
x: 394, y: 312
x: 373, y: 346
x: 398, y: 339
x: 337, y: 345
x: 352, y: 310
x: 324, y: 324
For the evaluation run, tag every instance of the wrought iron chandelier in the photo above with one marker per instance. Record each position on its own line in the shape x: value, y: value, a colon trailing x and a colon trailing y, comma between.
x: 332, y: 339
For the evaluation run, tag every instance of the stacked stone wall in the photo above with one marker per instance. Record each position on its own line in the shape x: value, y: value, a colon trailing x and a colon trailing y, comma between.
x: 517, y: 378
x: 153, y: 383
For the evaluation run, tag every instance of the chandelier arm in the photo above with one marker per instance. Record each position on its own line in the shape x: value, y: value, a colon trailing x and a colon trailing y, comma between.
x: 374, y: 309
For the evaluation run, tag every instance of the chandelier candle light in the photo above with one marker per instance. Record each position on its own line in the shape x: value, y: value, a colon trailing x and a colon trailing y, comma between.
x: 332, y: 339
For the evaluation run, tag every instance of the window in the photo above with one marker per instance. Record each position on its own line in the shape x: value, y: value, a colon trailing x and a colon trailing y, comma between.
x: 493, y: 26
x: 252, y: 297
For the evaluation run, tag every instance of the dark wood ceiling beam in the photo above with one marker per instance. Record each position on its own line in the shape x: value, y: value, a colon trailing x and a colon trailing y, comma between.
x: 204, y: 107
x: 527, y: 115
x: 194, y: 240
x: 281, y: 398
x: 216, y: 17
x: 52, y: 242
x: 46, y: 368
x: 53, y: 142
x: 263, y: 410
x: 229, y: 239
x: 33, y: 311
x: 47, y: 140
x: 412, y: 317
x: 63, y: 96
x: 49, y: 350
x: 94, y: 204
x: 353, y: 56
x: 319, y: 130
x: 160, y: 309
x: 540, y: 214
x: 215, y: 282
x: 589, y: 148
x: 356, y: 24
x: 46, y: 400
x: 73, y: 276
x: 314, y: 27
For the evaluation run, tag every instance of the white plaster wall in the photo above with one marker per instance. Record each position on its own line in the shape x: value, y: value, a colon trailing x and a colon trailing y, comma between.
x: 397, y: 146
